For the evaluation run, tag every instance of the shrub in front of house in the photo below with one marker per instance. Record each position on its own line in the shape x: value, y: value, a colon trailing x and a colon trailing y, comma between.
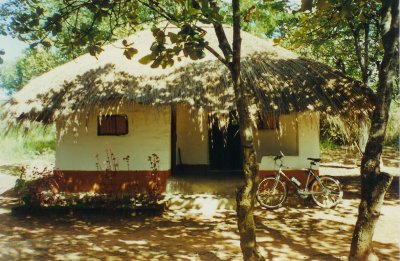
x: 42, y: 190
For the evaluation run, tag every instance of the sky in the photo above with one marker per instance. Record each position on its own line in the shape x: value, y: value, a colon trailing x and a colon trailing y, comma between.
x: 3, y: 95
x: 12, y: 47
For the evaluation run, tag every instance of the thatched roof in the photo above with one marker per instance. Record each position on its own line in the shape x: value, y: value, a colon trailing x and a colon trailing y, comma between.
x: 281, y: 80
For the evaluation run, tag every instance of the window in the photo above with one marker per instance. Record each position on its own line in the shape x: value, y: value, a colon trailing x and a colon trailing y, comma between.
x: 268, y: 121
x: 112, y: 125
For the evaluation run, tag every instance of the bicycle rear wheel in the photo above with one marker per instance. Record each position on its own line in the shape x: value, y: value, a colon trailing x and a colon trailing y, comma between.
x: 327, y: 192
x: 271, y: 193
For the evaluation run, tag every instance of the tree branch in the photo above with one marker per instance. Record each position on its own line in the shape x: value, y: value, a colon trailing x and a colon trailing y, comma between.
x: 216, y: 54
x: 237, y: 40
x: 221, y: 36
x: 356, y: 37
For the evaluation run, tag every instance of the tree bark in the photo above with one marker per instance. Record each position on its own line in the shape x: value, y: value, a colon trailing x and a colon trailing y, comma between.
x: 246, y: 196
x: 375, y: 183
x: 362, y: 50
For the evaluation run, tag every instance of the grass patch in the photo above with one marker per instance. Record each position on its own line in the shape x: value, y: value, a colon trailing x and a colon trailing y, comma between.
x: 39, y: 146
x: 13, y: 170
x: 20, y: 148
x: 328, y: 144
x: 392, y: 138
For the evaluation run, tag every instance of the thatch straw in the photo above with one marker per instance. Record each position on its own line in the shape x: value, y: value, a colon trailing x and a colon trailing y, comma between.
x: 281, y: 81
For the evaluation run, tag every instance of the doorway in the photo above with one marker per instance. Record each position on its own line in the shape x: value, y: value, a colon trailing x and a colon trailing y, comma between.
x: 224, y: 146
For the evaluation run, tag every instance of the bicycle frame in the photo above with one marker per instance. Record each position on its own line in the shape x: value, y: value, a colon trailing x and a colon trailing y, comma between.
x: 272, y: 191
x: 310, y: 174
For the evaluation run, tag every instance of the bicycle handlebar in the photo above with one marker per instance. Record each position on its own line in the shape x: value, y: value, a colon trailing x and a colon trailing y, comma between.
x: 314, y: 159
x: 281, y: 155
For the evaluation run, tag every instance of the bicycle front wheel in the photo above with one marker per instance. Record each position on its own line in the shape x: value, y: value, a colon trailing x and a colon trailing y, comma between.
x: 326, y: 192
x: 271, y: 193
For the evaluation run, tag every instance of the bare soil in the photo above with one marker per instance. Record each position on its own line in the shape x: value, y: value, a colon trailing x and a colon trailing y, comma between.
x: 201, y: 227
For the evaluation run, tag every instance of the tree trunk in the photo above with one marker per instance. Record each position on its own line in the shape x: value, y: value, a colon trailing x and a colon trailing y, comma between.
x: 246, y: 196
x: 375, y: 183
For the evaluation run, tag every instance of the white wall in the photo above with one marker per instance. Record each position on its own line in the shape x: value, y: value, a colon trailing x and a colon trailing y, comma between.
x: 191, y: 135
x: 308, y: 143
x: 149, y: 132
x: 285, y: 139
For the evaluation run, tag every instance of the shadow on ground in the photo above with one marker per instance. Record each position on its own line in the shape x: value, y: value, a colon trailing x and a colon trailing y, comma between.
x: 350, y: 156
x: 198, y: 227
x: 297, y: 231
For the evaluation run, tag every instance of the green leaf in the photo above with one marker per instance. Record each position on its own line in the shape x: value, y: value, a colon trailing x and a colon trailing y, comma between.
x: 155, y: 30
x: 176, y: 50
x: 46, y: 43
x: 157, y: 62
x: 194, y: 11
x: 39, y: 10
x: 173, y: 37
x: 200, y: 54
x: 296, y: 45
x: 56, y: 29
x: 146, y: 59
x: 130, y: 52
x: 160, y: 37
x: 323, y: 5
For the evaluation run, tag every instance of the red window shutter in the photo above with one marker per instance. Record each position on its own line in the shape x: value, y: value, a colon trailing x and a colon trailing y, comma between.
x: 121, y: 124
x: 112, y: 125
x: 269, y: 121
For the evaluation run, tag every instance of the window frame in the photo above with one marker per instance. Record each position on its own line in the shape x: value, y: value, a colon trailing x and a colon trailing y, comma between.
x: 262, y: 122
x: 114, y: 117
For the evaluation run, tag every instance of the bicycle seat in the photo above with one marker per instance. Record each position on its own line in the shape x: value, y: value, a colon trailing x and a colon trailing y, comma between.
x: 314, y: 159
x: 278, y: 157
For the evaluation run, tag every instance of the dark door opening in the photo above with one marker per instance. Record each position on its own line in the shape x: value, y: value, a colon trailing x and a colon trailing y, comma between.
x: 224, y: 146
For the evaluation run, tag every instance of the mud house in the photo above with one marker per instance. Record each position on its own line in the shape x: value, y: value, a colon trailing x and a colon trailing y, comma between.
x: 112, y: 114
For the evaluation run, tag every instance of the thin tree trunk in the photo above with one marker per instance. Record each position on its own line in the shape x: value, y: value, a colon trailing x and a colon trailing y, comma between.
x: 375, y: 183
x: 362, y: 52
x: 246, y: 196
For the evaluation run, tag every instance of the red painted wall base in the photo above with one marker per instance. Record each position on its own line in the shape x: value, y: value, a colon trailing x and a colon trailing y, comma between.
x: 112, y: 181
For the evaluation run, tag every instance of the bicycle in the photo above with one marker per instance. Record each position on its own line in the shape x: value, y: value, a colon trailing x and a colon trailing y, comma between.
x: 325, y: 191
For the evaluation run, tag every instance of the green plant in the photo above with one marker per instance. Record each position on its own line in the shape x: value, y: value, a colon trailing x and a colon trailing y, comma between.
x: 20, y: 148
x: 126, y: 159
x: 31, y: 192
x: 327, y: 144
x: 110, y: 163
x: 393, y: 129
x: 40, y: 146
x: 335, y: 132
x: 154, y: 182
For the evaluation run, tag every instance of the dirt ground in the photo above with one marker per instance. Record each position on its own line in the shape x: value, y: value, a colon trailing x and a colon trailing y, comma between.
x: 201, y: 227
